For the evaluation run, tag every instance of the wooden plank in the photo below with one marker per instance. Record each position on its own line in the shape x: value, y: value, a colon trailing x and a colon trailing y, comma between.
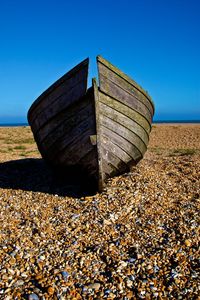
x: 124, y: 84
x: 124, y: 121
x: 67, y: 81
x: 115, y: 162
x: 124, y: 144
x: 109, y: 170
x: 102, y: 61
x: 123, y: 132
x: 129, y: 112
x: 74, y: 152
x: 78, y: 84
x: 71, y: 138
x: 64, y: 123
x: 90, y: 163
x: 126, y: 98
x: 72, y: 94
x: 56, y: 108
x: 117, y: 151
x: 67, y: 133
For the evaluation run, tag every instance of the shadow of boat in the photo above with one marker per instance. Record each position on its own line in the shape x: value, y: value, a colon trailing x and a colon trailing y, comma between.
x: 35, y: 175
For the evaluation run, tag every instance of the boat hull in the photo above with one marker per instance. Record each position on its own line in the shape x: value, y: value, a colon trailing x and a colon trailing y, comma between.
x: 103, y: 130
x: 124, y: 116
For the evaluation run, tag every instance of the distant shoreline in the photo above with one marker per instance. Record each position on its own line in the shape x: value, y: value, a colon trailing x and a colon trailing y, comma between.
x: 13, y: 124
x: 167, y: 122
x: 177, y: 122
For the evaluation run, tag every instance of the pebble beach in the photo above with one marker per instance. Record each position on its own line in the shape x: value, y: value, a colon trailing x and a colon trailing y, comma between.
x: 138, y: 239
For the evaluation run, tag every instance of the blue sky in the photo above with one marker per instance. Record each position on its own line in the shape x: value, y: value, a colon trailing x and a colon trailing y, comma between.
x: 156, y: 42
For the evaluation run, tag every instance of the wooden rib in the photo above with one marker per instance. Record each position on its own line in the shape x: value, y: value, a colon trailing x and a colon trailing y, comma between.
x: 71, y: 78
x: 123, y: 132
x: 124, y: 121
x: 126, y: 98
x: 126, y: 79
x: 124, y: 84
x: 129, y: 112
x: 124, y: 144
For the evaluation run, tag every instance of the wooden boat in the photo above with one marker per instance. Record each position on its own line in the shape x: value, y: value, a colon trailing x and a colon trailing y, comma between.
x: 104, y: 130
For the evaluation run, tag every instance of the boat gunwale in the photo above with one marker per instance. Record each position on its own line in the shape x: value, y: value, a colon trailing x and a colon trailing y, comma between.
x: 121, y: 74
x: 66, y: 109
x: 57, y: 83
x: 56, y: 100
x: 128, y: 92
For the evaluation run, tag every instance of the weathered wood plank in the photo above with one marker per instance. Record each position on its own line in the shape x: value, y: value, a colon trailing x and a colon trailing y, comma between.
x: 124, y: 144
x: 71, y: 154
x: 74, y: 87
x: 63, y: 125
x: 123, y: 132
x: 124, y: 84
x: 116, y: 150
x: 101, y: 60
x: 64, y: 102
x: 129, y: 112
x: 124, y: 121
x: 126, y: 98
x: 55, y: 140
x: 71, y: 138
x: 76, y: 75
x: 90, y: 163
x: 109, y: 170
x: 118, y: 165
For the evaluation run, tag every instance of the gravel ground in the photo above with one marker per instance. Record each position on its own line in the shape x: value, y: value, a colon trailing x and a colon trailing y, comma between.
x: 138, y: 239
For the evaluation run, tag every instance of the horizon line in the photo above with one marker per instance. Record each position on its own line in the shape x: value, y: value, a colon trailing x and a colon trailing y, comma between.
x: 168, y: 121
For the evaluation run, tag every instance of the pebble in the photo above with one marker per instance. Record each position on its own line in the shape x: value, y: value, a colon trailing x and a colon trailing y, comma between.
x: 18, y: 283
x: 188, y: 243
x: 65, y: 275
x: 33, y: 297
x: 50, y: 290
x: 138, y: 239
x: 94, y: 286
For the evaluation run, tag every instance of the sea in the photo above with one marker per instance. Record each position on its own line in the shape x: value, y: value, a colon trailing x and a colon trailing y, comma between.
x: 176, y: 121
x: 13, y: 124
x: 154, y: 122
